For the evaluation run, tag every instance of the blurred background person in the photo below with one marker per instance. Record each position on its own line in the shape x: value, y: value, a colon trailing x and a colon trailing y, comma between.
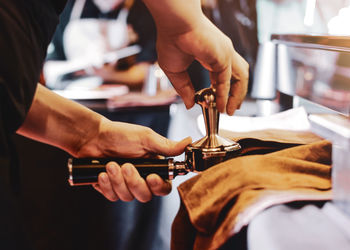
x: 94, y: 41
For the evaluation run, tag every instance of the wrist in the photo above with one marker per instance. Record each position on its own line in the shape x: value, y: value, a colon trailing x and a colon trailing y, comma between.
x: 89, y: 144
x: 175, y: 17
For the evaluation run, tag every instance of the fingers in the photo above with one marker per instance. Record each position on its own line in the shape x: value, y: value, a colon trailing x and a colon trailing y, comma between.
x: 113, y: 186
x: 125, y: 183
x: 239, y: 86
x: 160, y: 145
x: 105, y: 188
x: 230, y: 94
x: 158, y: 185
x: 183, y: 86
x: 221, y: 82
x: 136, y: 184
x: 237, y: 93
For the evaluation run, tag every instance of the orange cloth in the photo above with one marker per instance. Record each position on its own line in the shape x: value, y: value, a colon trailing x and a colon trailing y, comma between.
x: 217, y: 203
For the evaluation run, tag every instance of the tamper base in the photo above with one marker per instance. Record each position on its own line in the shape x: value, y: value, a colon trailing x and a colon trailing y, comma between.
x: 201, y: 159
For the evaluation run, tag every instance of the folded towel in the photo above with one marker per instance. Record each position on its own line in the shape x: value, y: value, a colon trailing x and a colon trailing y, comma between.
x: 217, y: 203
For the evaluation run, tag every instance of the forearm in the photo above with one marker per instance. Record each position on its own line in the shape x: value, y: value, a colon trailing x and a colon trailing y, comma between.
x: 60, y: 122
x: 175, y: 16
x: 81, y: 132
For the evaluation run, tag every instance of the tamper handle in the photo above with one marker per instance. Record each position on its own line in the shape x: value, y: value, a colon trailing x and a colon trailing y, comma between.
x: 207, y: 100
x: 85, y: 171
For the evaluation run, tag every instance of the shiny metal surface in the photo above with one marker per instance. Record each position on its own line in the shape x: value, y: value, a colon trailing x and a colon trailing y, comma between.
x: 264, y: 80
x: 321, y: 78
x: 336, y: 128
x: 316, y: 68
x: 335, y: 43
x: 212, y: 148
x: 70, y: 172
x: 212, y: 142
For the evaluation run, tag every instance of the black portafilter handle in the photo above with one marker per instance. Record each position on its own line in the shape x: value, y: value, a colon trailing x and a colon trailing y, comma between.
x: 85, y: 171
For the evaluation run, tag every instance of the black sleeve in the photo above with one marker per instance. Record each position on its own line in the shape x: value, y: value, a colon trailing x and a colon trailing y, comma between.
x: 26, y: 28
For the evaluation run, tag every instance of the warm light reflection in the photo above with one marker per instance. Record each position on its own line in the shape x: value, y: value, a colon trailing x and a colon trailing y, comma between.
x: 309, y: 13
x: 339, y: 25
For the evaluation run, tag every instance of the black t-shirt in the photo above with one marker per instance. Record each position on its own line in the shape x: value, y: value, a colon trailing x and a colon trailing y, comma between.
x: 26, y: 28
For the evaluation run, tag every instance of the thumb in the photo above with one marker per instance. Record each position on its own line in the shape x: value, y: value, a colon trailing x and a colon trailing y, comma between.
x: 163, y: 146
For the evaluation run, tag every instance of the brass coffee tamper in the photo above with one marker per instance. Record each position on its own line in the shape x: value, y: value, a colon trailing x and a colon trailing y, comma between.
x: 199, y: 156
x: 212, y: 148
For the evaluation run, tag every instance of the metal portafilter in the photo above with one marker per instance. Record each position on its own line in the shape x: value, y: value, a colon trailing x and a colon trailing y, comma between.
x: 199, y: 156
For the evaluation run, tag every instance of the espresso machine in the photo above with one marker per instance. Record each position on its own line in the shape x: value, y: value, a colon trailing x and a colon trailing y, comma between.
x: 199, y: 156
x: 313, y: 72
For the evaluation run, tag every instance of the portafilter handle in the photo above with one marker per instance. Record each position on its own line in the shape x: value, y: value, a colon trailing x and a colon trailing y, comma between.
x: 85, y: 171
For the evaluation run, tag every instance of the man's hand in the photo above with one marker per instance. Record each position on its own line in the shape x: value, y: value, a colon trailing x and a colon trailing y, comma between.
x: 206, y: 44
x: 132, y: 141
x: 124, y: 183
x: 81, y: 132
x: 185, y: 34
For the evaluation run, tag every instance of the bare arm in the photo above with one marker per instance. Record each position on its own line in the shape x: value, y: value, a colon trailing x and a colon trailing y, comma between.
x: 185, y: 34
x: 57, y: 121
x: 72, y: 127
